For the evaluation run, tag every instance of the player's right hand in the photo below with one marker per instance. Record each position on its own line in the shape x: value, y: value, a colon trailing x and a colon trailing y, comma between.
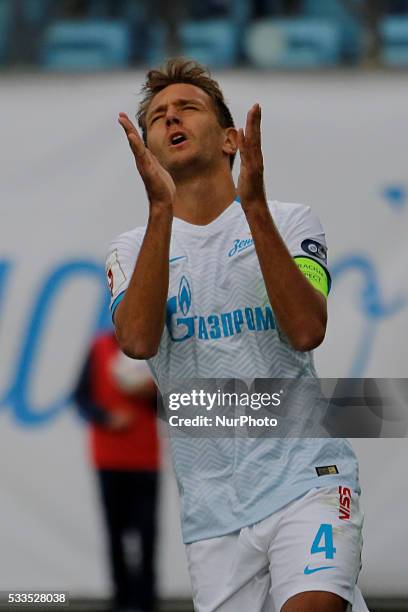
x: 160, y: 186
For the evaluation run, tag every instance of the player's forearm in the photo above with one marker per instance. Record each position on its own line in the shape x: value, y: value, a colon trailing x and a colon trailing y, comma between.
x: 139, y: 318
x: 299, y: 308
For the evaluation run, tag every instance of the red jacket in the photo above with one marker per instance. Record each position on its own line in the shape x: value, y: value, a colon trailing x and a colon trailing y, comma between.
x: 98, y: 393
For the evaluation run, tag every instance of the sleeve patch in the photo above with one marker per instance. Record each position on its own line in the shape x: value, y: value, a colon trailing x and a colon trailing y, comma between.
x: 315, y: 273
x: 315, y: 249
x: 116, y: 276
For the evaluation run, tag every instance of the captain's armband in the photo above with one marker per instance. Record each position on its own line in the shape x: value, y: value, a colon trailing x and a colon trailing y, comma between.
x: 316, y: 274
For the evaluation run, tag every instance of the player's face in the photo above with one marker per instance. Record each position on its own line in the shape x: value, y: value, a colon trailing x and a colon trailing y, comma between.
x: 183, y: 130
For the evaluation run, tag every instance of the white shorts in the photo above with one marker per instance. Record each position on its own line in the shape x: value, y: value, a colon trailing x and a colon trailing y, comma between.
x: 312, y: 544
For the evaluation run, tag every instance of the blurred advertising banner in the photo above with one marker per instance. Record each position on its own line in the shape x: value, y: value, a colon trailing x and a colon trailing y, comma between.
x: 336, y: 142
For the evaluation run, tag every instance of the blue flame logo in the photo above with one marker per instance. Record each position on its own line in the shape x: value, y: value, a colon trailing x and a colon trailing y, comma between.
x: 184, y: 296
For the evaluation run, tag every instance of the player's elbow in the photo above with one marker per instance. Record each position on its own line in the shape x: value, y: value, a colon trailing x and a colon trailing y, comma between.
x: 136, y: 347
x: 137, y: 350
x: 309, y: 338
x: 133, y: 338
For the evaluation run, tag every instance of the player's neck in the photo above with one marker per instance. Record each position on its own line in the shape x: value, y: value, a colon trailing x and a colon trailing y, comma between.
x: 202, y: 199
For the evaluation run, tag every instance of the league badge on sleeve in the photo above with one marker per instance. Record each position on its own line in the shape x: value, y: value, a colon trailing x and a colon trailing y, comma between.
x: 116, y: 276
x: 314, y: 248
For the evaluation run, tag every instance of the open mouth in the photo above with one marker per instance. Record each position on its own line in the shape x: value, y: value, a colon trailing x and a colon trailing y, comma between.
x: 177, y: 139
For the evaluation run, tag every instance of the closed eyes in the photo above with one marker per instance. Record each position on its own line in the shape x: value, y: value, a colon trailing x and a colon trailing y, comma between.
x: 184, y: 107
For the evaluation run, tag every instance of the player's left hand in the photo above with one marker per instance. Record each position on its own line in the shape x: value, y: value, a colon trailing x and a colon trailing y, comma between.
x: 251, y: 187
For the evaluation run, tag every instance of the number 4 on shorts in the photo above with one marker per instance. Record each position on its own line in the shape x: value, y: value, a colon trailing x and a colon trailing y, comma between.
x: 324, y: 535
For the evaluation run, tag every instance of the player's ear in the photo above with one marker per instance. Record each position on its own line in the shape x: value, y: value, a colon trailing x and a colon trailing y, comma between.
x: 230, y: 145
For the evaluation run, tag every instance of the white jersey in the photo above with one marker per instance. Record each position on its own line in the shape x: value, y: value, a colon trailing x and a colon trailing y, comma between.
x: 220, y: 324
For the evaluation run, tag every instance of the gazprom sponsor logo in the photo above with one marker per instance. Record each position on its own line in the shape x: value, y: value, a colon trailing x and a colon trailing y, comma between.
x: 184, y: 296
x: 240, y: 245
x: 212, y: 326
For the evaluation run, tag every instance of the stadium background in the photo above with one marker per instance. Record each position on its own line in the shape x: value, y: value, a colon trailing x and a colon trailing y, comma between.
x: 331, y: 79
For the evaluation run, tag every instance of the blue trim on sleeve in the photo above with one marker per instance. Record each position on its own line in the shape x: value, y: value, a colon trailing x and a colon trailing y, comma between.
x: 116, y: 302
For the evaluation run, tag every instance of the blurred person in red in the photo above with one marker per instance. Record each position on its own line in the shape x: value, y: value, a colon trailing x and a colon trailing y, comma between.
x: 117, y: 397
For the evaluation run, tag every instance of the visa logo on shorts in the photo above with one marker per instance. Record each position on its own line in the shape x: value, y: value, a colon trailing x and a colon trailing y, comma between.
x: 344, y: 503
x: 213, y: 326
x: 240, y: 245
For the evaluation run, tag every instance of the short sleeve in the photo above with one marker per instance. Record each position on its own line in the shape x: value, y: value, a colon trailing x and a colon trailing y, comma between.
x: 120, y: 263
x: 306, y: 241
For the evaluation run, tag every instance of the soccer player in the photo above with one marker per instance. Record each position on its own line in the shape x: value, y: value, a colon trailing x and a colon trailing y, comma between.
x: 224, y: 284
